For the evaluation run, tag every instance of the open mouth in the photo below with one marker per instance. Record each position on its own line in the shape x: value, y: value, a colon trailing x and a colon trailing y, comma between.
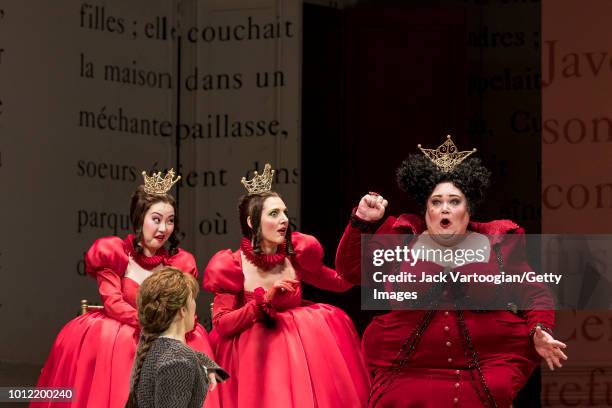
x: 282, y: 231
x: 445, y: 223
x: 160, y: 238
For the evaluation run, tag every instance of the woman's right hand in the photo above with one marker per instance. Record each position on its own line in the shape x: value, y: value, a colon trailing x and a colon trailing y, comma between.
x: 371, y: 207
x: 279, y: 288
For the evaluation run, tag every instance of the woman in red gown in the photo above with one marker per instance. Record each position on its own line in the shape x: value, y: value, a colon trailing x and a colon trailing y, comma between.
x: 280, y: 350
x: 448, y: 357
x: 93, y: 354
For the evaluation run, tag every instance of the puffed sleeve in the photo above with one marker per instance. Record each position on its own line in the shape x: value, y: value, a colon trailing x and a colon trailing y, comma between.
x: 184, y: 261
x: 107, y: 261
x: 231, y: 315
x: 106, y: 253
x: 224, y: 273
x: 309, y: 262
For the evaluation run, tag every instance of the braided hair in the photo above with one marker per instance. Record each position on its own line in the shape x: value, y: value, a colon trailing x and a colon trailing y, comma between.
x: 160, y: 297
x: 140, y: 204
x: 251, y: 205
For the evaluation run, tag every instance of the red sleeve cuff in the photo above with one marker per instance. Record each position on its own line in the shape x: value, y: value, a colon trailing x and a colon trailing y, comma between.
x: 263, y: 306
x: 361, y: 224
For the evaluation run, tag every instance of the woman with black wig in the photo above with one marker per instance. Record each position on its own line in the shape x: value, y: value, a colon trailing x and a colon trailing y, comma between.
x: 439, y: 356
x: 280, y: 350
x: 93, y: 353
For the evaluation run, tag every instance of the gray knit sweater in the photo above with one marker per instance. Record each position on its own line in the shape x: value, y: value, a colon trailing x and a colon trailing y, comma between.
x: 174, y: 376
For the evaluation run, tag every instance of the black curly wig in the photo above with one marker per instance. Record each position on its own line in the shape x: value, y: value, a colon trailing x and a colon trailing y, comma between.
x: 419, y: 176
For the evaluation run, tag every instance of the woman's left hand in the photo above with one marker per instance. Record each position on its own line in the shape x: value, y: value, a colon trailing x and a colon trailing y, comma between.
x: 212, y: 377
x: 548, y: 348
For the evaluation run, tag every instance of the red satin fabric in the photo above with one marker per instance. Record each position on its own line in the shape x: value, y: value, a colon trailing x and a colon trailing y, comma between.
x: 308, y: 356
x: 94, y: 353
x: 437, y: 371
x: 437, y: 374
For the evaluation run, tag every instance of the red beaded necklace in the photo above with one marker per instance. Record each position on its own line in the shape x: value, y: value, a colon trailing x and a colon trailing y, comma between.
x: 265, y: 262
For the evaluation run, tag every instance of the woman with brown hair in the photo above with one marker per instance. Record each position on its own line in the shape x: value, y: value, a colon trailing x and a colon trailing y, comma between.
x: 93, y: 353
x: 280, y: 350
x: 167, y: 373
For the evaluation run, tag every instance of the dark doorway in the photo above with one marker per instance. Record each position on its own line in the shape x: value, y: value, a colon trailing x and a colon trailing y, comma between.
x: 382, y: 77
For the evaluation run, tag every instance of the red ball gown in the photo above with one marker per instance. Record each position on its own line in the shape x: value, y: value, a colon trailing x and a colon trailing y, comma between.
x: 292, y: 354
x: 93, y: 354
x: 439, y: 370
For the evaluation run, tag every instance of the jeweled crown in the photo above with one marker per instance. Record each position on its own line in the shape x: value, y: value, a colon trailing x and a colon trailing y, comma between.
x: 259, y: 183
x: 446, y: 156
x: 158, y: 185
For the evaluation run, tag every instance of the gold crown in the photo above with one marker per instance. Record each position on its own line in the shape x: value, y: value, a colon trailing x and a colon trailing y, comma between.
x: 259, y: 183
x: 158, y: 185
x: 446, y: 156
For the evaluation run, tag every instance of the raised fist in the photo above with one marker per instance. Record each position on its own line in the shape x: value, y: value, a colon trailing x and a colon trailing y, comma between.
x: 371, y: 207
